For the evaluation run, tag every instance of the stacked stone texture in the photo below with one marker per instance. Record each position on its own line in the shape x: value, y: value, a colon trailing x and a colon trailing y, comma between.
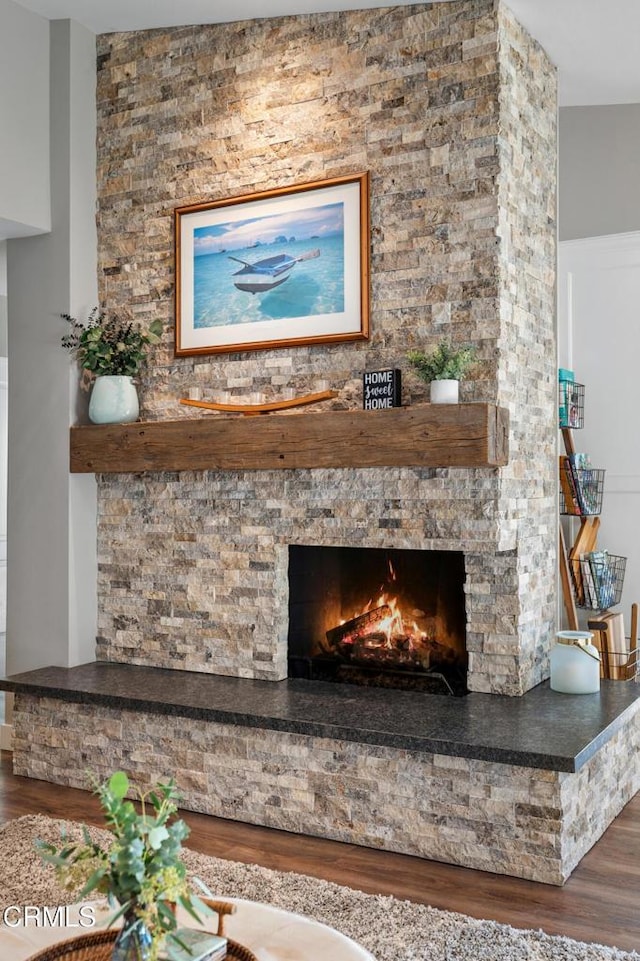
x: 508, y: 819
x: 451, y: 108
x: 527, y: 369
x: 193, y: 567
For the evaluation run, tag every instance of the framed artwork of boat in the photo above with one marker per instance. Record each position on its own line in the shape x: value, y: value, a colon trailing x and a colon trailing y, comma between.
x: 280, y: 268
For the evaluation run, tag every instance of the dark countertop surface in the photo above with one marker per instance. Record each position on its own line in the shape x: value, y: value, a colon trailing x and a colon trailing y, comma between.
x: 541, y: 729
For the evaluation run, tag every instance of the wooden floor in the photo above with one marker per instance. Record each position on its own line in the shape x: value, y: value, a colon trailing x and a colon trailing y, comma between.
x: 600, y: 902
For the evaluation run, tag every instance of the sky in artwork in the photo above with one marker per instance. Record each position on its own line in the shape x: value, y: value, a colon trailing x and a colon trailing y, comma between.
x: 313, y: 222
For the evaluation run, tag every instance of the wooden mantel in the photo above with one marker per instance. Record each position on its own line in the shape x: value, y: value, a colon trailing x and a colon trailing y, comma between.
x: 447, y: 435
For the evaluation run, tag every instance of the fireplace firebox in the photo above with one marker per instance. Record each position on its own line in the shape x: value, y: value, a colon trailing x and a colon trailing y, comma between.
x: 388, y: 618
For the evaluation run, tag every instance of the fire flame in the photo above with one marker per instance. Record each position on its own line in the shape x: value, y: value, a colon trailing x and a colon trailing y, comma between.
x: 385, y: 634
x: 396, y: 623
x: 394, y: 626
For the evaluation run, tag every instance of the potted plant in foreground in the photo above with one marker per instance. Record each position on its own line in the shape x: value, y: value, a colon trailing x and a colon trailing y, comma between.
x: 113, y: 350
x: 141, y: 872
x: 443, y: 367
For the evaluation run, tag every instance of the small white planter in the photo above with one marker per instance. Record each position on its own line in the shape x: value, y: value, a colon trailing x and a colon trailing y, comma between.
x: 114, y: 400
x: 444, y: 391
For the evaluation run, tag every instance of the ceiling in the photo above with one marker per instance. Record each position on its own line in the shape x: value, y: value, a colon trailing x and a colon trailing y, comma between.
x: 594, y: 43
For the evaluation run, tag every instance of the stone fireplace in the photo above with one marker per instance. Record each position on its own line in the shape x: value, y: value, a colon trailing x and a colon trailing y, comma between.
x: 451, y: 108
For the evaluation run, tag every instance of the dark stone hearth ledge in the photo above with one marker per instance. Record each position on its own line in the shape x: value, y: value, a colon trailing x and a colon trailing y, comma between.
x: 541, y: 729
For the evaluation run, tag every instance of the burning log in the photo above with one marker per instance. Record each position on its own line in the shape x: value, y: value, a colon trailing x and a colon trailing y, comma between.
x: 364, y: 624
x: 384, y: 658
x: 373, y: 642
x: 379, y: 639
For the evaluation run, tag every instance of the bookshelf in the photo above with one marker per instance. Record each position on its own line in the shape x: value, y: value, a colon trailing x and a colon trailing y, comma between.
x: 591, y: 579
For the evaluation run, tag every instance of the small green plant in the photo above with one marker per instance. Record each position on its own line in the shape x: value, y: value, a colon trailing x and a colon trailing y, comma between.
x: 142, y: 870
x: 106, y: 344
x: 444, y: 362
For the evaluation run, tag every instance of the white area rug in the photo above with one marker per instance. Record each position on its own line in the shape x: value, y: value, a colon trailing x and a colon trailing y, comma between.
x: 392, y: 930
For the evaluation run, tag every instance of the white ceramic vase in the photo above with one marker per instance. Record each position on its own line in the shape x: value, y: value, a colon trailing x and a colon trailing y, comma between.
x: 444, y: 391
x: 114, y: 400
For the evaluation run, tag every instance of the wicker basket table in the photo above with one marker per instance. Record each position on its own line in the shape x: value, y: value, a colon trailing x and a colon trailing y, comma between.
x: 99, y: 947
x: 254, y: 931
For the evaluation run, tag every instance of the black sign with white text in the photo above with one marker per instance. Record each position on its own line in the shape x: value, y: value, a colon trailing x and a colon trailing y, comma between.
x: 381, y: 389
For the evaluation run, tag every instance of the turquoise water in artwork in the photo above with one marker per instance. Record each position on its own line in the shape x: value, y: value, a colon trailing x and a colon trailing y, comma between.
x: 312, y: 287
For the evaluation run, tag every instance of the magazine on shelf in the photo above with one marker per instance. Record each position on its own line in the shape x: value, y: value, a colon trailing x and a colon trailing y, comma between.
x: 588, y: 583
x: 569, y: 409
x: 569, y: 487
x: 580, y: 485
x: 599, y: 576
x: 585, y: 479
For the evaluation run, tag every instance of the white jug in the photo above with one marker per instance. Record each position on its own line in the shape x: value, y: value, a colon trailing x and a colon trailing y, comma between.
x: 575, y: 663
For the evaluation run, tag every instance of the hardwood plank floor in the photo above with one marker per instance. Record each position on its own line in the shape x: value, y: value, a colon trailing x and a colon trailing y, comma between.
x: 600, y: 902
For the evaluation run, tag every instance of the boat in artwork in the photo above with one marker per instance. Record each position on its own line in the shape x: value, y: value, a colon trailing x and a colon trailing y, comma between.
x: 270, y: 272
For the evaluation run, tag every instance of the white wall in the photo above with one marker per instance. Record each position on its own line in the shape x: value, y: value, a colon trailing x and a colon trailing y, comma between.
x: 3, y: 498
x: 3, y: 298
x: 599, y: 170
x: 599, y: 290
x: 599, y: 338
x: 51, y: 617
x: 24, y: 122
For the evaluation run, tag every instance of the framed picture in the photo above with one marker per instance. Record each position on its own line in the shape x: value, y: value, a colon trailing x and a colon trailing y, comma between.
x: 280, y: 268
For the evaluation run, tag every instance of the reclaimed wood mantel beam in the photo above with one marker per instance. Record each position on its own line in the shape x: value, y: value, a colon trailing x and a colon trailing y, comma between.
x: 430, y: 435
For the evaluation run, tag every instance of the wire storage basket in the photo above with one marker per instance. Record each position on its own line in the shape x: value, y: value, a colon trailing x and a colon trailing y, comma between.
x: 581, y: 490
x: 619, y: 665
x: 570, y: 404
x: 598, y: 579
x: 619, y: 654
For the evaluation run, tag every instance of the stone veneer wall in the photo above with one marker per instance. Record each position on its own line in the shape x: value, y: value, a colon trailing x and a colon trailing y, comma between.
x: 514, y: 820
x: 193, y: 566
x: 527, y: 345
x: 451, y: 107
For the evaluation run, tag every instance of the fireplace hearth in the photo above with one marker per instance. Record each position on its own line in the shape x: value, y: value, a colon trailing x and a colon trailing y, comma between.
x: 375, y: 617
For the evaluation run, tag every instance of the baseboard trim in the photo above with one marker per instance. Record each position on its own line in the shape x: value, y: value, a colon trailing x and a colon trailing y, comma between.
x: 6, y: 737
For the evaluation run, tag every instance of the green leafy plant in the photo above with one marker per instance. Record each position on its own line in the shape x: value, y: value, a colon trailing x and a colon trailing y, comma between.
x: 142, y: 870
x: 444, y: 362
x: 107, y: 344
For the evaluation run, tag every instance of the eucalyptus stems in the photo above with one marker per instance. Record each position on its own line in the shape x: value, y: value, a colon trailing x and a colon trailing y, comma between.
x: 107, y: 344
x: 141, y: 870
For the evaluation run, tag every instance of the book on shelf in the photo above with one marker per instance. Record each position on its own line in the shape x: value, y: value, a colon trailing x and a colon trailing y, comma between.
x: 604, y: 578
x: 580, y: 484
x: 569, y: 487
x: 194, y: 944
x: 569, y: 400
x: 599, y: 579
x: 586, y: 481
x: 588, y: 583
